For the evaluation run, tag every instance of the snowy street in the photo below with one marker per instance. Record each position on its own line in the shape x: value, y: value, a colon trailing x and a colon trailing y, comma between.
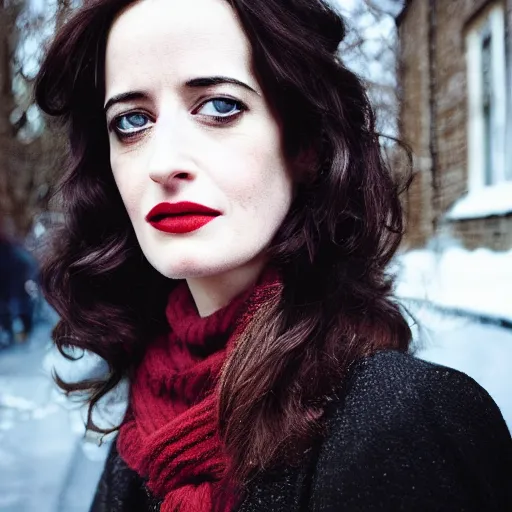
x: 45, y: 466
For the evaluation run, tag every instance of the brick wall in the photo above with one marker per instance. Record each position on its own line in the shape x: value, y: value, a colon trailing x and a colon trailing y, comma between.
x: 451, y: 100
x: 450, y: 118
x: 491, y: 232
x: 414, y: 120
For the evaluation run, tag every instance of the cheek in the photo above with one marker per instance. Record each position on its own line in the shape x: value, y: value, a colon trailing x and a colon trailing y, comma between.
x: 258, y: 173
x: 267, y: 185
x: 129, y: 185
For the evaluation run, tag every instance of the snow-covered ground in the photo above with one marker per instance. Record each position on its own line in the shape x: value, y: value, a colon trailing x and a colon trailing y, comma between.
x: 43, y: 460
x: 478, y: 282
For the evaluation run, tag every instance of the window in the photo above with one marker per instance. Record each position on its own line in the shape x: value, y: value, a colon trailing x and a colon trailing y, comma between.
x: 487, y: 112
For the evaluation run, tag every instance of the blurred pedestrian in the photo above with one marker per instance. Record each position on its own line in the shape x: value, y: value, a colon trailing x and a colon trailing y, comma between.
x: 18, y: 275
x: 6, y: 323
x: 229, y: 226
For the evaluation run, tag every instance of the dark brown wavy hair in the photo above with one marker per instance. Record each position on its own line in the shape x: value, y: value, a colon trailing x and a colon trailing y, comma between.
x: 333, y: 248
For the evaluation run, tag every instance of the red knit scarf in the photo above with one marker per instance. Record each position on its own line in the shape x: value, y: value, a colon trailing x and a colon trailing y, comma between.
x: 170, y: 433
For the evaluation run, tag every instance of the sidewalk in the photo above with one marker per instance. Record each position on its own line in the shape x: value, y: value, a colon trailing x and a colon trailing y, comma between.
x: 37, y: 440
x: 79, y: 486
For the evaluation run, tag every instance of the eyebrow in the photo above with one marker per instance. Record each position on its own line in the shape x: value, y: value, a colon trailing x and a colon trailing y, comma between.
x: 216, y: 80
x: 125, y: 96
x: 208, y: 81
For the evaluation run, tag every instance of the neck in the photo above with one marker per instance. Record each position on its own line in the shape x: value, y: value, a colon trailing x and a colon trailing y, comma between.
x: 212, y: 293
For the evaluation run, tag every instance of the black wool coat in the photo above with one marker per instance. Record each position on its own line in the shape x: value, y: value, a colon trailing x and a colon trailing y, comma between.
x: 404, y: 435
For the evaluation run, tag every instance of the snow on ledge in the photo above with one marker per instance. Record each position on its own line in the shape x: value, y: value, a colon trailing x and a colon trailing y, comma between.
x: 484, y: 202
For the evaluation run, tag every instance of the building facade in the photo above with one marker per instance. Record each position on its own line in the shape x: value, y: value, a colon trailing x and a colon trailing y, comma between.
x: 455, y: 76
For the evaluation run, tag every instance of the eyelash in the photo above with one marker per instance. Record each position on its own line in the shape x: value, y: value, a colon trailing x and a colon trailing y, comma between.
x: 222, y: 120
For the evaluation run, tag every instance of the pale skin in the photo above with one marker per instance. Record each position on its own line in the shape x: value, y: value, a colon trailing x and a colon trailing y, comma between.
x: 166, y: 144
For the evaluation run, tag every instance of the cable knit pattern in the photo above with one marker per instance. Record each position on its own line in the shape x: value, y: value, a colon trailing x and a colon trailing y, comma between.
x: 170, y: 434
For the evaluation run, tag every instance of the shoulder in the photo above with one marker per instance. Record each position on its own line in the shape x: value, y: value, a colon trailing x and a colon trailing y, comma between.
x: 399, y: 386
x: 408, y: 433
x: 399, y: 368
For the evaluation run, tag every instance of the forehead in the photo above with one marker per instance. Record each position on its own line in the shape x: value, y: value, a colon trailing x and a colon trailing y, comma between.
x: 171, y: 41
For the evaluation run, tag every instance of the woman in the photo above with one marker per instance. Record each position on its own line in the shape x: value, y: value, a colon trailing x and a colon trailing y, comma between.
x: 229, y: 225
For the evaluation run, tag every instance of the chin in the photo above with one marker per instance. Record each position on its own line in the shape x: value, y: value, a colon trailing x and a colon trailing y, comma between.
x: 189, y: 268
x: 174, y: 263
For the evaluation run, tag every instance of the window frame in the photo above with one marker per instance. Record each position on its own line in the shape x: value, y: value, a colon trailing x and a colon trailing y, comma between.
x: 493, y: 20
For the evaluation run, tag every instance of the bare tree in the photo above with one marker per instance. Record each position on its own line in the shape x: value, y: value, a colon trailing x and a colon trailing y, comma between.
x: 370, y: 49
x: 29, y: 152
x: 8, y: 15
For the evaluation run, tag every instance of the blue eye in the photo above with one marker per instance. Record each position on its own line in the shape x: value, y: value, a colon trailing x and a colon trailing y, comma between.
x: 222, y: 107
x: 130, y: 123
x: 222, y: 111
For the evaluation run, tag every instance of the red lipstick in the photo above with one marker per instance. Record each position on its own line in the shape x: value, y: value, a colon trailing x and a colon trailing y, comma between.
x: 178, y: 218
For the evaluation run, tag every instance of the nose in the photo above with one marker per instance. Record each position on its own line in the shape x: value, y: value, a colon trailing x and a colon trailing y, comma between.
x: 170, y: 161
x: 168, y: 178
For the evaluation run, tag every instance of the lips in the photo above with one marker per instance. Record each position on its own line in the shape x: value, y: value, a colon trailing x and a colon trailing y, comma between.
x: 178, y: 218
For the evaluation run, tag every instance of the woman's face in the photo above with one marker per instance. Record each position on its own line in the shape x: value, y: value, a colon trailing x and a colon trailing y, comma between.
x: 188, y: 123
